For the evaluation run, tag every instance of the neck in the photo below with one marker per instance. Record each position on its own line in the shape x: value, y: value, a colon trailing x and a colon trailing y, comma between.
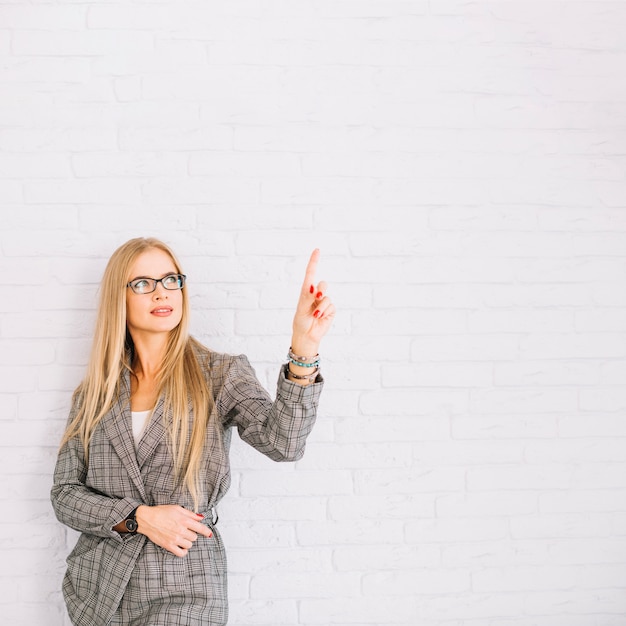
x: 149, y: 354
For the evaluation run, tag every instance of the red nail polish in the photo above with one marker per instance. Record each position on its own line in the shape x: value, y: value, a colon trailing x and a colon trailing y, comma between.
x: 200, y: 515
x: 311, y: 289
x: 316, y: 314
x: 319, y: 294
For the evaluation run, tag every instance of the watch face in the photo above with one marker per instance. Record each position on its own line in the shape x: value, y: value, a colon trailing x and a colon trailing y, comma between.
x: 131, y: 525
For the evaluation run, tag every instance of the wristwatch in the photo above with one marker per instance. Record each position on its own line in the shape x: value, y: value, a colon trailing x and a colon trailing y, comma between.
x: 131, y: 523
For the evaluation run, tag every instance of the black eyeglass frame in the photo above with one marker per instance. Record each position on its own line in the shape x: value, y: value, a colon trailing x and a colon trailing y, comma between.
x: 180, y: 283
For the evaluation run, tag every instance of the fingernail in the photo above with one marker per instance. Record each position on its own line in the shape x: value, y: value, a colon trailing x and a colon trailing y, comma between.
x: 319, y: 294
x: 312, y: 289
x: 200, y: 515
x: 316, y: 314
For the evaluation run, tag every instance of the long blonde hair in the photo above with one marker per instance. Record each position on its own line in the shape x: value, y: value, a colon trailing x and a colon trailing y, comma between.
x: 180, y: 379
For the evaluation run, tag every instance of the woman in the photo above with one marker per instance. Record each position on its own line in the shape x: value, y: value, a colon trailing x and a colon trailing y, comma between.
x: 144, y: 459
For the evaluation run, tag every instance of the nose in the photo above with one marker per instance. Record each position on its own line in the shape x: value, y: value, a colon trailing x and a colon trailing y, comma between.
x: 160, y: 292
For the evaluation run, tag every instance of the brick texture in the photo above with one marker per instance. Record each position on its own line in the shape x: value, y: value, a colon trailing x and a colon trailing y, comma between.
x: 461, y: 165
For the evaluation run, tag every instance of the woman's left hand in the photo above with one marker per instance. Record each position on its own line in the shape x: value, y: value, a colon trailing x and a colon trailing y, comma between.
x: 314, y: 314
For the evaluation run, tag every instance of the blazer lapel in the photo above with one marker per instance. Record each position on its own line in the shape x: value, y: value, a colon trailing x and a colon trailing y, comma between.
x: 119, y: 430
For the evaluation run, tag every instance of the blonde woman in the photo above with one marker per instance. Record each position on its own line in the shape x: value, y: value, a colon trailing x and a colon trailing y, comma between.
x: 144, y: 459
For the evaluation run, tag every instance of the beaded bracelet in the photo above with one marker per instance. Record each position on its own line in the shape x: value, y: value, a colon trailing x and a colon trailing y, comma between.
x: 309, y: 377
x: 304, y: 359
x: 300, y: 364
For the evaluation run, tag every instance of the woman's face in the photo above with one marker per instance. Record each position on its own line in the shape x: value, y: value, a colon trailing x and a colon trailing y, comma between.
x: 161, y: 310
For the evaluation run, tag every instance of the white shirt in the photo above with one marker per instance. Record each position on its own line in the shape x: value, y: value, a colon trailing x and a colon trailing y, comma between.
x: 140, y: 419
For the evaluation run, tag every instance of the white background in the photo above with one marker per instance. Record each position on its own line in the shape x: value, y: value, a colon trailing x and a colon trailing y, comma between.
x: 461, y: 167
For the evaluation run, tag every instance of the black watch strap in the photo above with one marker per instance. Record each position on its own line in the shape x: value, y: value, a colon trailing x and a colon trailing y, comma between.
x: 131, y: 523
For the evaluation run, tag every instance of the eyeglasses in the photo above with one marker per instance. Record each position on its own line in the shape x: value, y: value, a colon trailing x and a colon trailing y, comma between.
x: 148, y: 285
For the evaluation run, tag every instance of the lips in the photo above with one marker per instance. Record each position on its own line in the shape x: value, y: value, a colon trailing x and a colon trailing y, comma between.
x: 162, y: 311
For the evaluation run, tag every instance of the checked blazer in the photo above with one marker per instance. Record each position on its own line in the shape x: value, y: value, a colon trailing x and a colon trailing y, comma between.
x: 126, y: 579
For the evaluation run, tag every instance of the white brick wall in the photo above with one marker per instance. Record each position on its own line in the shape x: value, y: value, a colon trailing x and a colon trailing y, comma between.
x: 462, y: 167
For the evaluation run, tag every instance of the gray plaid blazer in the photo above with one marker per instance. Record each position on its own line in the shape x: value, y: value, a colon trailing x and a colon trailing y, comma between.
x: 126, y: 579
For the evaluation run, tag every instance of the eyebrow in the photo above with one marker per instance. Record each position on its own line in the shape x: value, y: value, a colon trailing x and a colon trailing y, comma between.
x: 152, y: 277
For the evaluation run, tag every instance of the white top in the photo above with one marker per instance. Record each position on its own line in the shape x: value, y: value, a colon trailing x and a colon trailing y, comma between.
x: 140, y: 419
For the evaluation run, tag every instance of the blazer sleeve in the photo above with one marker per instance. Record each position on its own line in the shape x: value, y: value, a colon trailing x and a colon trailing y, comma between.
x: 278, y: 428
x: 80, y: 507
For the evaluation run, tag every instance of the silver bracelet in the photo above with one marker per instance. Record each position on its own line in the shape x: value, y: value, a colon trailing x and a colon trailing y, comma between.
x: 302, y: 359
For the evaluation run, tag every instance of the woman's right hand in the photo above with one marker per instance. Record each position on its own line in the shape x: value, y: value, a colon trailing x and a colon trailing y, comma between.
x: 170, y: 526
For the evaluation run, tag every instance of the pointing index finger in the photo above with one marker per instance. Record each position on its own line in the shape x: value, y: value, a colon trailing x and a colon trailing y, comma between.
x: 309, y: 276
